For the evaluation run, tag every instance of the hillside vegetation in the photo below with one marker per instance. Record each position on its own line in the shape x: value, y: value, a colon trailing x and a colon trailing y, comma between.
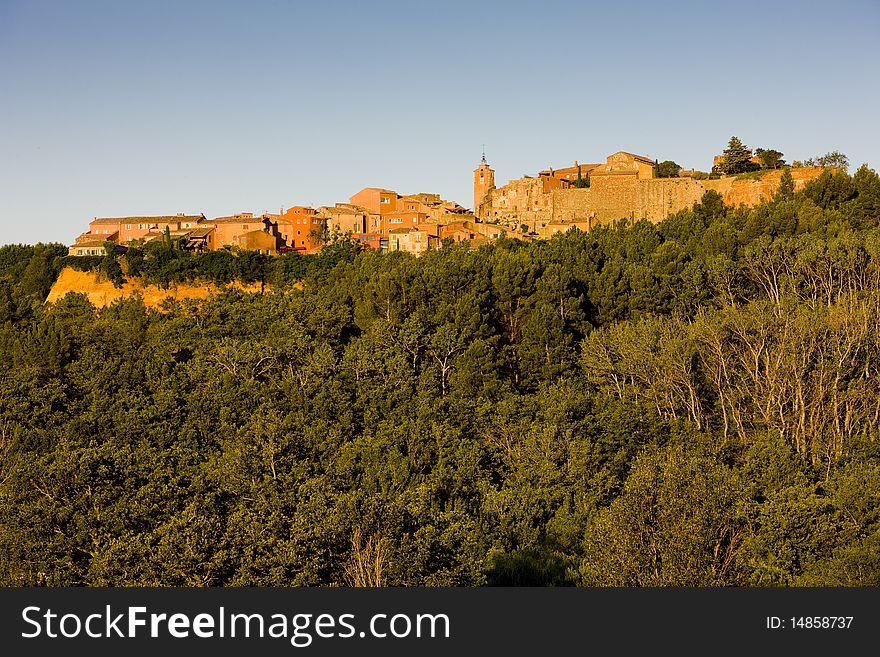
x: 695, y: 402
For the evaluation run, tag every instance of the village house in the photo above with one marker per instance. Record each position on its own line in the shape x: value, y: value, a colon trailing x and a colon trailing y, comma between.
x: 376, y: 199
x: 241, y: 230
x: 132, y: 228
x: 412, y: 240
x: 396, y: 211
x: 549, y: 230
x: 464, y: 230
x: 301, y: 228
x: 345, y: 218
x: 122, y: 230
x: 372, y: 241
x: 88, y: 248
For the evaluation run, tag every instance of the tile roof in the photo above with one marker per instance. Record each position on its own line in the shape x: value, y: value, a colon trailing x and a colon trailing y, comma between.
x: 164, y: 219
x: 344, y: 209
x: 637, y: 157
x: 236, y: 220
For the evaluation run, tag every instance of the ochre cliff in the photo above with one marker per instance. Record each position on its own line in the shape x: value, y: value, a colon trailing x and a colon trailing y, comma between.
x: 103, y: 293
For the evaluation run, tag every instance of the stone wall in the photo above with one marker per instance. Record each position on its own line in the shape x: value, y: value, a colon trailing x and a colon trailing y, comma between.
x: 660, y: 197
x: 751, y: 191
x: 571, y: 205
x: 620, y: 193
x: 613, y: 197
x: 520, y: 201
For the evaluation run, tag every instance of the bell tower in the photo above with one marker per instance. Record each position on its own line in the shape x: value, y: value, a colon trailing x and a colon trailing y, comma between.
x: 484, y: 182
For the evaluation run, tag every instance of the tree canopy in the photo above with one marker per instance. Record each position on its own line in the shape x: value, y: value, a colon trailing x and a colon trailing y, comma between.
x: 689, y: 403
x: 736, y: 158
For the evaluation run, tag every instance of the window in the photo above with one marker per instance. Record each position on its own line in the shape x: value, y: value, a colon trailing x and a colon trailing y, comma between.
x: 244, y: 226
x: 395, y: 221
x: 127, y: 226
x: 384, y: 199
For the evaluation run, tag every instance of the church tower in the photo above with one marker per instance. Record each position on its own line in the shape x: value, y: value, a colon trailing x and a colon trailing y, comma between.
x: 484, y: 181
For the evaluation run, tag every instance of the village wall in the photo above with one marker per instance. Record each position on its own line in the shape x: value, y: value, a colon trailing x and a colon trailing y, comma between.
x: 617, y: 196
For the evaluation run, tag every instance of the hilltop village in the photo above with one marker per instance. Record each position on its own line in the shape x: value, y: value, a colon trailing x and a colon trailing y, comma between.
x: 625, y: 186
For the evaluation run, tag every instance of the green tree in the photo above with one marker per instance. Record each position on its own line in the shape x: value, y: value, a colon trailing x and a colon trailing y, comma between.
x: 786, y: 186
x: 677, y: 523
x: 834, y: 159
x: 770, y: 159
x: 668, y: 169
x: 736, y: 158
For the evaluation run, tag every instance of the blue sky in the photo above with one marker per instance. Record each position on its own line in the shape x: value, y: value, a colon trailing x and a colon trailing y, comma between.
x: 126, y: 108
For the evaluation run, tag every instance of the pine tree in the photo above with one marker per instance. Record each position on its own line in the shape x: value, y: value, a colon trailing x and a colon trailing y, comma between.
x: 786, y: 185
x: 737, y: 158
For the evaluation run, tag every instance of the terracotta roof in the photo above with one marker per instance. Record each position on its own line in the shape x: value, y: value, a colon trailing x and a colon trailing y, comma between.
x: 424, y: 197
x: 348, y: 209
x: 90, y: 243
x: 572, y: 169
x: 201, y: 232
x: 378, y: 189
x: 164, y: 219
x: 236, y: 220
x: 102, y: 236
x: 338, y: 210
x: 637, y: 157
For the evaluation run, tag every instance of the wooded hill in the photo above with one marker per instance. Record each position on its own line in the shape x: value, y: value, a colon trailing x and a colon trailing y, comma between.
x: 689, y: 403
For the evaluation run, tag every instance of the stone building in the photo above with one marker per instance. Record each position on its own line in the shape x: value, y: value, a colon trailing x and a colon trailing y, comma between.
x: 396, y: 211
x: 624, y: 187
x: 345, y: 218
x: 412, y: 240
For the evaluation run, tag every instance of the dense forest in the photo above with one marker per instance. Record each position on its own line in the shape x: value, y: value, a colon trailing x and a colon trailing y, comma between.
x: 695, y: 402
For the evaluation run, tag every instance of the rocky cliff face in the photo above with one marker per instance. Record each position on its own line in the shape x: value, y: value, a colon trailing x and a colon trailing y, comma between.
x: 102, y: 292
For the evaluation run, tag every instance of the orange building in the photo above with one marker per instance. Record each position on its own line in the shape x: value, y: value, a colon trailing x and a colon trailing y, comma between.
x: 484, y: 182
x: 103, y: 227
x: 301, y: 228
x: 562, y: 178
x: 376, y: 199
x: 374, y: 241
x: 228, y: 230
x: 130, y: 228
x: 403, y: 219
x: 259, y: 241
